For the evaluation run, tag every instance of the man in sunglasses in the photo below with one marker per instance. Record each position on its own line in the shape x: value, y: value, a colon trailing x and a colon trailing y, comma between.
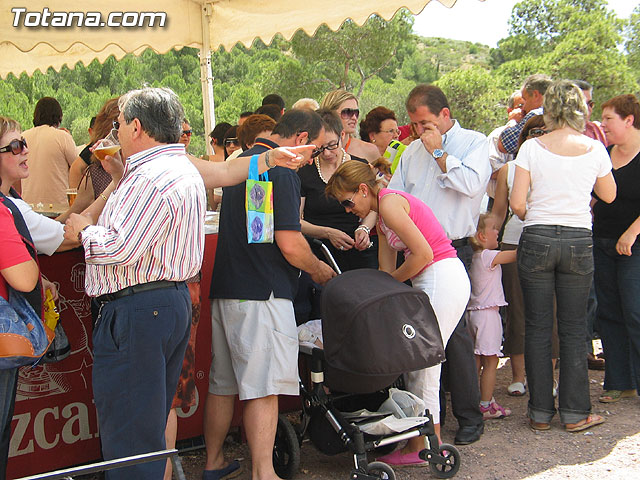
x: 254, y: 334
x: 448, y: 169
x: 591, y: 129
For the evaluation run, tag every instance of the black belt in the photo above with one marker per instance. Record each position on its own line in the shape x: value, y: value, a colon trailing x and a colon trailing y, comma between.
x: 459, y: 243
x: 141, y: 287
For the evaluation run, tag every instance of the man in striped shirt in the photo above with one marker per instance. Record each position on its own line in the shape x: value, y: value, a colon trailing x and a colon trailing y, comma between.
x: 148, y: 240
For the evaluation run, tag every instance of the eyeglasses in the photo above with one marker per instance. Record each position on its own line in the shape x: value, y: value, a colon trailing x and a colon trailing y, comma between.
x: 231, y: 141
x: 331, y: 146
x: 349, y: 112
x: 395, y: 131
x: 187, y: 132
x: 536, y: 132
x: 349, y: 203
x: 15, y: 146
x: 116, y: 124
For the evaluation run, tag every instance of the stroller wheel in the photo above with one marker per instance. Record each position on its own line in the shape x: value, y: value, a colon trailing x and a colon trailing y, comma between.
x: 381, y: 470
x: 286, y: 449
x: 448, y: 463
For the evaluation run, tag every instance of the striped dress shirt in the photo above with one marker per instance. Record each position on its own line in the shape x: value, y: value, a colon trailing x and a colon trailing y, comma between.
x: 152, y: 227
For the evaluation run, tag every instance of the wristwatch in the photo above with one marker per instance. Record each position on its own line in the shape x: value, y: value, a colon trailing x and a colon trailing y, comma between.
x: 437, y: 153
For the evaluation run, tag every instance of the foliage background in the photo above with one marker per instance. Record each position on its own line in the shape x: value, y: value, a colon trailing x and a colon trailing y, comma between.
x: 380, y: 62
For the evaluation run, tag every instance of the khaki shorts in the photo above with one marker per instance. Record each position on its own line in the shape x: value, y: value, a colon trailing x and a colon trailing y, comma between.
x: 255, y: 348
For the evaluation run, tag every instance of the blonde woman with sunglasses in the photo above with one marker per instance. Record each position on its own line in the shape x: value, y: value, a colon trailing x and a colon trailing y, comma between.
x: 345, y: 104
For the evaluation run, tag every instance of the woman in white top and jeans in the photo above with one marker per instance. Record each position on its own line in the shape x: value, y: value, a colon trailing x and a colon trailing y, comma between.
x: 555, y: 255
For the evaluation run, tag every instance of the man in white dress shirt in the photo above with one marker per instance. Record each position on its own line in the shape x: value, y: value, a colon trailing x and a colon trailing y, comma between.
x: 448, y: 169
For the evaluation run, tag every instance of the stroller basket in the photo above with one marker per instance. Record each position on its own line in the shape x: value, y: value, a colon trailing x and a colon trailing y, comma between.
x: 374, y: 329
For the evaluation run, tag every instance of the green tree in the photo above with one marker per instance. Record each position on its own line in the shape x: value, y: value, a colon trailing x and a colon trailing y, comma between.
x: 352, y: 55
x: 475, y: 98
x: 632, y: 41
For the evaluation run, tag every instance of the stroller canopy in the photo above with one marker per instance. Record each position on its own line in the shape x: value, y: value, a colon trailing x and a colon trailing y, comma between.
x: 375, y: 328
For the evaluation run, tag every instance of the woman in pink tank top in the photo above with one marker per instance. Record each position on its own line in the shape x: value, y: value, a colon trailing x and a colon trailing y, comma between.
x: 430, y: 262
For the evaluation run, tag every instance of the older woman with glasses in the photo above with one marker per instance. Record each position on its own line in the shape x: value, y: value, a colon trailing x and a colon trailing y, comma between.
x: 345, y: 104
x: 322, y: 217
x: 408, y: 225
x: 555, y: 175
x: 379, y: 127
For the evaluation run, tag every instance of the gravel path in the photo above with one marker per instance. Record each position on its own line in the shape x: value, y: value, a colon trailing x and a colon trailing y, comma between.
x: 508, y: 450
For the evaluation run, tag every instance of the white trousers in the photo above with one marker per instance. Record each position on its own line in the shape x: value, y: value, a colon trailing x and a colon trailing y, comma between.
x: 447, y: 284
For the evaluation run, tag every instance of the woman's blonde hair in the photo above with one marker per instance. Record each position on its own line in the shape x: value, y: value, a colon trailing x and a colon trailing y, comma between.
x: 483, y: 220
x: 565, y: 106
x: 335, y: 98
x: 8, y: 125
x: 348, y: 178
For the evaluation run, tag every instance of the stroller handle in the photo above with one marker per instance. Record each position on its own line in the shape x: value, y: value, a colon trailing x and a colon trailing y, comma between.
x: 327, y: 254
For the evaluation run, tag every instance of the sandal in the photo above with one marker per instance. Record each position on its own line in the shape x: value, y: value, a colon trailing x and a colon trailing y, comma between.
x: 517, y: 389
x: 612, y: 396
x: 538, y: 426
x: 591, y: 421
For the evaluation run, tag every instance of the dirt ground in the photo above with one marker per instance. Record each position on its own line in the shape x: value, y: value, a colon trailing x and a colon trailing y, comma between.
x: 508, y: 449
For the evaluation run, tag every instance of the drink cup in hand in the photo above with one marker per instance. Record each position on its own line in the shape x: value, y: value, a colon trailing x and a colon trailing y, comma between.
x: 107, y: 146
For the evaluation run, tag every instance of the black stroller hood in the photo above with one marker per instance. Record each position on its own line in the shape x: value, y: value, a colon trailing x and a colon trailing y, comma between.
x: 374, y: 329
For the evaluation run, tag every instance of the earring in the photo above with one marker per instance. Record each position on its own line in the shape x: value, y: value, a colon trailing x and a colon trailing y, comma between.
x: 364, y: 195
x: 373, y: 141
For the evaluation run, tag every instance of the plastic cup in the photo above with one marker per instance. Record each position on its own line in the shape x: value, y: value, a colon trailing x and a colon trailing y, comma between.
x: 72, y: 193
x: 109, y: 145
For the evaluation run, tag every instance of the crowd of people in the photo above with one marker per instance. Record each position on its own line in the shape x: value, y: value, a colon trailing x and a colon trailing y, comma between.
x: 532, y: 274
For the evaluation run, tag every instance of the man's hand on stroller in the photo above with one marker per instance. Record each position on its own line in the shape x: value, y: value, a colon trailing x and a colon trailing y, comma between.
x: 323, y: 273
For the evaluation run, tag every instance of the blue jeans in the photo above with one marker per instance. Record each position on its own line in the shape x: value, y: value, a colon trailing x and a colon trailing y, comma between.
x: 138, y: 346
x: 554, y: 259
x: 8, y: 384
x: 617, y: 279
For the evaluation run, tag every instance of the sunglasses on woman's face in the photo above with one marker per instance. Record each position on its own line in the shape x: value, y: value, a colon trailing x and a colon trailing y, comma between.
x: 349, y: 112
x: 349, y: 203
x: 15, y: 146
x: 231, y: 141
x: 187, y: 132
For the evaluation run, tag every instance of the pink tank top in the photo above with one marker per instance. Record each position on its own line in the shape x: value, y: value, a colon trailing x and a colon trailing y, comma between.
x: 426, y: 222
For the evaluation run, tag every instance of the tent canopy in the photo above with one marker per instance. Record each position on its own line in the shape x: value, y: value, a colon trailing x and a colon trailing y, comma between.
x: 30, y: 45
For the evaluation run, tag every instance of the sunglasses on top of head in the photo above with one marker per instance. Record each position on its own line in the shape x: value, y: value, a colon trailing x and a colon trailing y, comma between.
x: 349, y: 112
x: 15, y: 146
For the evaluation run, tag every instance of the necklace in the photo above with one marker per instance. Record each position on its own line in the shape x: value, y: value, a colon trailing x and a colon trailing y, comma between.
x: 317, y: 162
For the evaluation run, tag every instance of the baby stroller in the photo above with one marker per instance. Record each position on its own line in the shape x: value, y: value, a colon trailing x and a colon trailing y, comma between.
x: 374, y: 329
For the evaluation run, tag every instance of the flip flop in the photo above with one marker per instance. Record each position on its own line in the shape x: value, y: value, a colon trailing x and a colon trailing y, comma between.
x: 230, y: 471
x: 591, y: 421
x: 612, y: 396
x: 517, y: 389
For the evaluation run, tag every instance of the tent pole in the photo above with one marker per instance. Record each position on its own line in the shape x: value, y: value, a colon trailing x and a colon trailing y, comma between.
x: 206, y: 77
